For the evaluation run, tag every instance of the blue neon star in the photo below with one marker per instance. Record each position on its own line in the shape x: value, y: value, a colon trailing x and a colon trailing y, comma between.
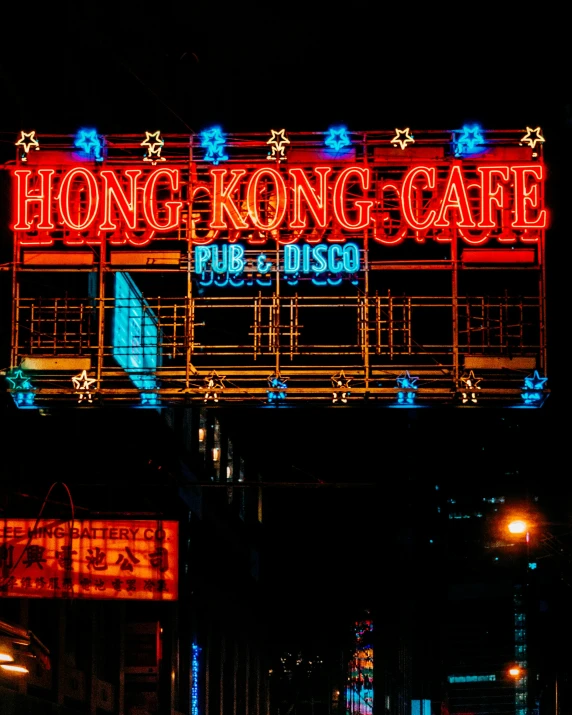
x: 469, y: 141
x: 534, y: 382
x: 90, y: 142
x: 406, y: 382
x: 337, y: 138
x: 19, y: 381
x: 213, y: 141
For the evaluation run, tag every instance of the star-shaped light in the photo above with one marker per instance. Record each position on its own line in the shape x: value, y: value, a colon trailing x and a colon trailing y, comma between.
x: 82, y: 384
x: 406, y: 382
x: 213, y: 385
x: 471, y: 381
x: 278, y: 142
x: 532, y: 137
x: 19, y: 381
x: 470, y: 140
x: 534, y: 382
x: 341, y: 384
x: 27, y: 140
x: 406, y: 139
x: 278, y: 386
x: 213, y: 140
x: 154, y: 144
x: 337, y: 138
x: 471, y: 384
x: 90, y: 142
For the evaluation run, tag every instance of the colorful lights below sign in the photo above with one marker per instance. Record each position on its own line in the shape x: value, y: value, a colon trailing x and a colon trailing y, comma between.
x: 341, y: 385
x: 278, y: 387
x: 470, y: 386
x: 214, y: 385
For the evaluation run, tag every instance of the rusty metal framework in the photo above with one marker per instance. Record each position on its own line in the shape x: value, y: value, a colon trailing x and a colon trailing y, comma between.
x: 429, y: 306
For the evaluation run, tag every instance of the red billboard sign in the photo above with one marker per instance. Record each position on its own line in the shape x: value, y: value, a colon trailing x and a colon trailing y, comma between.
x: 111, y: 559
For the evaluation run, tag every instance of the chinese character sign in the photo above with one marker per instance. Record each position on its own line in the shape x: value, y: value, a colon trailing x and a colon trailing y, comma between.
x: 119, y: 559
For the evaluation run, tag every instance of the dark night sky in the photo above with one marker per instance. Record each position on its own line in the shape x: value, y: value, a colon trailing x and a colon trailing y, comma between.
x: 180, y: 67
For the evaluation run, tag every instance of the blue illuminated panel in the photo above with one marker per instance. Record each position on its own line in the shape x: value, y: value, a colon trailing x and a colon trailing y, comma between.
x: 135, y: 336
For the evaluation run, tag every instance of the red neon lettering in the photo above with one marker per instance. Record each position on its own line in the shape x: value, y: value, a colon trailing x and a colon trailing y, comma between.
x: 492, y: 193
x: 74, y: 183
x: 150, y: 208
x: 25, y: 197
x: 455, y: 198
x: 223, y: 201
x: 527, y: 197
x: 339, y: 199
x: 379, y: 233
x: 410, y: 205
x: 279, y: 197
x: 317, y: 202
x: 127, y: 206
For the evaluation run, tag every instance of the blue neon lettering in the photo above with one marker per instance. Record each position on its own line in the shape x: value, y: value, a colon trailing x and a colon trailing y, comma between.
x: 321, y: 264
x: 334, y: 259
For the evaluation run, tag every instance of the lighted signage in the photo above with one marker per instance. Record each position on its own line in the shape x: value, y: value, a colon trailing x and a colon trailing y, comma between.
x: 80, y: 205
x: 359, y: 691
x: 118, y: 559
x: 135, y: 334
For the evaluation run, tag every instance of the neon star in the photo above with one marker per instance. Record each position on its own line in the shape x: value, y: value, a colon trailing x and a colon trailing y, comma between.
x: 470, y: 140
x: 154, y: 144
x: 337, y: 138
x: 406, y: 382
x: 534, y: 382
x: 278, y: 386
x: 19, y: 381
x: 213, y: 141
x: 90, y: 142
x: 471, y: 381
x: 341, y: 385
x: 403, y: 142
x: 278, y: 142
x: 82, y: 384
x: 277, y: 382
x: 27, y: 140
x: 213, y: 385
x: 533, y: 137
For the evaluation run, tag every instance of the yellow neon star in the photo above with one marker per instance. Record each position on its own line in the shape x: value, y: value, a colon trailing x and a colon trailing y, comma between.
x: 153, y: 142
x: 533, y: 137
x: 28, y: 140
x: 471, y: 381
x: 402, y: 142
x: 82, y: 382
x: 278, y: 142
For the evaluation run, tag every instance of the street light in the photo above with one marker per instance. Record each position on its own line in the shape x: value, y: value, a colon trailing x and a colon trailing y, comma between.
x: 517, y: 526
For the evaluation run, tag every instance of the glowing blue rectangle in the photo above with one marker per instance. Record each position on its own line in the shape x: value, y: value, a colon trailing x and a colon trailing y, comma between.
x: 135, y: 334
x: 420, y: 707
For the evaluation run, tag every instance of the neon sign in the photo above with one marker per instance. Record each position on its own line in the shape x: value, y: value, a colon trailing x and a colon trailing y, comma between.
x: 79, y: 205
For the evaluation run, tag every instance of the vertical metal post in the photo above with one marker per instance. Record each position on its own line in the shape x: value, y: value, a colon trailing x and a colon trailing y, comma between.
x: 100, y: 314
x: 189, y: 328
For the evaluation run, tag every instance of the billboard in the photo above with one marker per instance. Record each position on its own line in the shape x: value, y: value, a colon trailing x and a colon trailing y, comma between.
x: 89, y: 559
x: 399, y: 266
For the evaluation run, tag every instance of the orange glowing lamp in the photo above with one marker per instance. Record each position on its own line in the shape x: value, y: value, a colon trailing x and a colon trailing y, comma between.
x: 518, y: 526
